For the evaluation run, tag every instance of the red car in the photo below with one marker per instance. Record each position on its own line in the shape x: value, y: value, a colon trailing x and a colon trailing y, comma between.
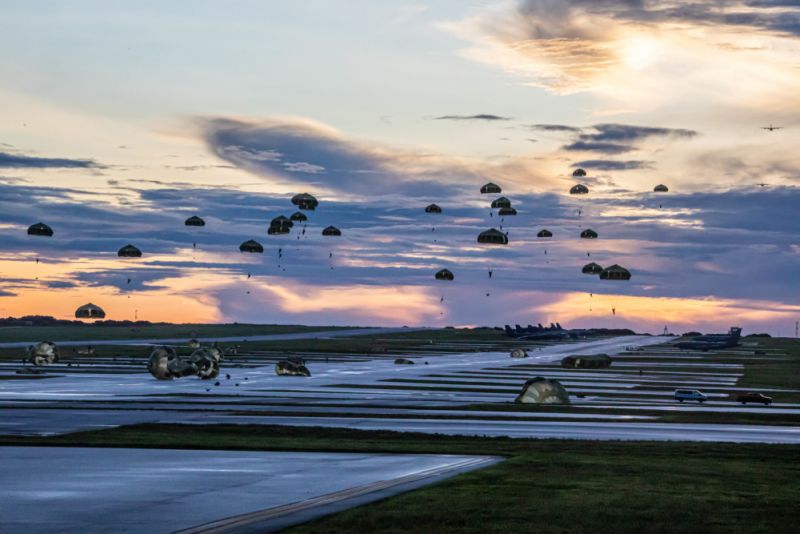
x: 754, y: 397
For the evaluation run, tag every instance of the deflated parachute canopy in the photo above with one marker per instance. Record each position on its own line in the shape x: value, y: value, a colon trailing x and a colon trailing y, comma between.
x: 541, y: 390
x: 519, y: 353
x: 331, y: 231
x: 493, y: 237
x: 578, y: 189
x: 661, y: 188
x: 444, y: 274
x: 90, y: 311
x: 595, y: 361
x: 501, y: 202
x: 298, y: 217
x: 403, y: 361
x: 194, y: 220
x: 129, y: 251
x: 42, y: 353
x: 592, y: 268
x: 504, y: 212
x: 615, y: 272
x: 491, y: 188
x: 251, y: 246
x: 291, y: 368
x: 588, y: 234
x: 206, y: 361
x: 41, y: 229
x: 433, y: 208
x: 164, y: 364
x: 544, y: 233
x: 579, y: 172
x: 304, y: 201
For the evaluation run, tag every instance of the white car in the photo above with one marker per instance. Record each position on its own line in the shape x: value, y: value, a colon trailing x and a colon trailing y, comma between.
x: 690, y: 395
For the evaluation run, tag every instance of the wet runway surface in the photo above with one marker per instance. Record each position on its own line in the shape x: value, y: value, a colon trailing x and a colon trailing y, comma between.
x: 88, y: 490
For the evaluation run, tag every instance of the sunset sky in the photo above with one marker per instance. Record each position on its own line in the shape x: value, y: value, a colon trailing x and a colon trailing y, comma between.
x: 122, y: 119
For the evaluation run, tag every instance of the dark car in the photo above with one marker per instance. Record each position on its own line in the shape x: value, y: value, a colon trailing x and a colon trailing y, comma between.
x: 754, y: 397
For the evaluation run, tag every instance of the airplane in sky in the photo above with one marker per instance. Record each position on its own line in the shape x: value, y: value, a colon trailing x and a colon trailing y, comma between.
x: 771, y: 128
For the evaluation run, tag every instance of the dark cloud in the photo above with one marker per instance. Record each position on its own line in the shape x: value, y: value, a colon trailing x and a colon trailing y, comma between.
x: 34, y: 162
x: 554, y: 128
x: 620, y: 138
x: 614, y: 165
x: 605, y: 148
x: 478, y: 117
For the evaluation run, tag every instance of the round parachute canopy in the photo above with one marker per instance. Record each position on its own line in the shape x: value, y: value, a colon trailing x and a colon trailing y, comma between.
x: 252, y: 246
x: 305, y: 201
x: 129, y: 251
x: 90, y: 311
x: 544, y: 233
x: 501, y: 202
x: 194, y: 220
x: 592, y: 268
x: 298, y: 217
x: 579, y: 172
x: 444, y: 274
x: 579, y: 361
x: 40, y: 228
x: 578, y: 189
x: 507, y: 211
x: 433, y: 208
x: 541, y: 390
x: 491, y: 188
x: 493, y: 237
x: 331, y: 231
x: 278, y: 230
x: 280, y: 220
x: 661, y: 188
x: 588, y: 234
x: 615, y: 272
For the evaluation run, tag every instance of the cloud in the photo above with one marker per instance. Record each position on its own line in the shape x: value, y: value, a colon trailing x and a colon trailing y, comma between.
x: 478, y: 117
x: 614, y: 165
x: 10, y: 160
x: 619, y: 138
x: 606, y: 148
x: 554, y: 128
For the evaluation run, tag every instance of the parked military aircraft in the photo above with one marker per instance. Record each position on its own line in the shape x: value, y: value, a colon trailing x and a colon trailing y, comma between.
x: 713, y: 341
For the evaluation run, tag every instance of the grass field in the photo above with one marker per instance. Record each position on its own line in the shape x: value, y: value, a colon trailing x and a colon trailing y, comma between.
x: 544, y: 485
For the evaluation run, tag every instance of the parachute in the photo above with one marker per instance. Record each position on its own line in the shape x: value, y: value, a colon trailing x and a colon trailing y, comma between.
x: 592, y: 268
x: 298, y: 217
x: 544, y: 233
x: 433, y: 208
x: 661, y: 188
x: 90, y: 311
x: 194, y: 220
x: 540, y: 390
x: 493, y: 237
x: 331, y: 231
x: 507, y: 211
x: 304, y: 201
x: 491, y: 188
x: 251, y: 246
x: 501, y: 202
x: 579, y: 172
x: 129, y: 251
x: 615, y: 272
x: 578, y: 189
x: 588, y: 234
x: 42, y: 353
x: 444, y: 274
x: 40, y: 229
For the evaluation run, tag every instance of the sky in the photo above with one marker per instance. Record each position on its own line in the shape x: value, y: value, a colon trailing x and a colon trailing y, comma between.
x: 120, y: 120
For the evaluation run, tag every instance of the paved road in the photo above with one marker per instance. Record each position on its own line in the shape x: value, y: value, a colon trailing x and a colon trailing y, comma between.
x: 323, y: 334
x: 63, y: 489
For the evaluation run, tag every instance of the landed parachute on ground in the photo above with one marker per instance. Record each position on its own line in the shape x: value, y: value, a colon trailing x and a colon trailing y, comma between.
x: 578, y: 189
x: 661, y: 188
x: 594, y: 361
x: 493, y: 236
x: 304, y: 201
x: 519, y: 353
x: 433, y: 208
x: 540, y: 390
x: 491, y: 188
x: 90, y: 311
x: 40, y: 229
x: 252, y: 246
x: 544, y: 233
x: 579, y: 172
x: 194, y: 220
x: 291, y: 367
x: 501, y: 202
x: 42, y: 353
x: 615, y: 272
x: 444, y: 274
x: 129, y: 251
x: 592, y: 268
x: 331, y: 231
x: 588, y: 234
